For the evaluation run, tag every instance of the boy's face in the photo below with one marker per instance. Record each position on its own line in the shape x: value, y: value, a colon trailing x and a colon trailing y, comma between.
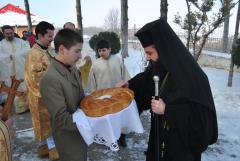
x: 72, y: 55
x: 46, y: 39
x: 104, y: 52
x: 151, y: 53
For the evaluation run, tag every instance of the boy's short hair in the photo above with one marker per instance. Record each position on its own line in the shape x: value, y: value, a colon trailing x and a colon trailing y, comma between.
x: 102, y: 44
x: 67, y: 38
x: 6, y: 27
x: 42, y: 28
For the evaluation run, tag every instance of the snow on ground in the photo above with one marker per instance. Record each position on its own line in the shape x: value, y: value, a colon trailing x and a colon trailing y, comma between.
x: 217, y: 54
x: 227, y: 101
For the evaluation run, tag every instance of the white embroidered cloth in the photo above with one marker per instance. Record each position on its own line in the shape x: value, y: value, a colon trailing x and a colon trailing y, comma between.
x: 107, y: 129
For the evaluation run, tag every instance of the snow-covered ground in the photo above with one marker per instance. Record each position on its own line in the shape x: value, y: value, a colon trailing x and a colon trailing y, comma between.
x: 227, y: 101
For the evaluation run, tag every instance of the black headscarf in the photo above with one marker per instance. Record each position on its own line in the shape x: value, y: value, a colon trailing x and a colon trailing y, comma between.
x: 191, y: 81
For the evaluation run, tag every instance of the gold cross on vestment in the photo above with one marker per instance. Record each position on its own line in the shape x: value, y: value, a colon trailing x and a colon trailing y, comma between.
x: 11, y: 91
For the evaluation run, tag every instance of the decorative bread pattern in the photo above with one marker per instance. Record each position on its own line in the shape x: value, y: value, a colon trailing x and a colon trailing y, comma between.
x: 106, y: 101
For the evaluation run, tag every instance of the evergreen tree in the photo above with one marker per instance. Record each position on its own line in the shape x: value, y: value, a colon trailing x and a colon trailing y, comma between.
x: 230, y: 75
x: 236, y: 53
x: 201, y: 21
x: 111, y: 37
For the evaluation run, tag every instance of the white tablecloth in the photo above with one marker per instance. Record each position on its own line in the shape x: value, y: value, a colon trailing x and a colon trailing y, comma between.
x: 107, y: 129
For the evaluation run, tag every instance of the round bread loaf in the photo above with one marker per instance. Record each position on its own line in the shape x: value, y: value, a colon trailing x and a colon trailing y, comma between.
x: 106, y: 101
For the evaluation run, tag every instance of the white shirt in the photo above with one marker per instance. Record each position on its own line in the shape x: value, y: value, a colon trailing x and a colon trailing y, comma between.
x: 106, y: 73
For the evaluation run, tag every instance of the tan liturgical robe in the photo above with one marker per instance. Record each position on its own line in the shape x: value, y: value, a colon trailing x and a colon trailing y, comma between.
x: 106, y: 73
x: 36, y: 65
x: 5, y: 150
x: 18, y: 49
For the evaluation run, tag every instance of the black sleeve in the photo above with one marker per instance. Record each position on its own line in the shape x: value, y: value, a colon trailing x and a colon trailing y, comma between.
x: 203, y: 127
x: 143, y: 90
x: 196, y: 124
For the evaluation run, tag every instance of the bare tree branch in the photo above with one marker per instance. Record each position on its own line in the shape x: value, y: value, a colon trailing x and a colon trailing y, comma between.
x: 112, y: 21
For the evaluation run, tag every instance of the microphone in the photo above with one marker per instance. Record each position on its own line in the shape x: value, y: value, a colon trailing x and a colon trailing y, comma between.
x: 156, y: 82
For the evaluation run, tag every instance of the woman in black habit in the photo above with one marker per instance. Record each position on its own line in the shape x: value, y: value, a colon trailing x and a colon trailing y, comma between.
x: 186, y: 111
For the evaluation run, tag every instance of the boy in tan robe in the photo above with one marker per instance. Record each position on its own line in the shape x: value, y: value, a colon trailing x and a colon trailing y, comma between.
x: 105, y: 72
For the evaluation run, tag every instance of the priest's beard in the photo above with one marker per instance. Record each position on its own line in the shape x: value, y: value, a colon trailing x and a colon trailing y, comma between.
x: 158, y: 69
x: 9, y: 38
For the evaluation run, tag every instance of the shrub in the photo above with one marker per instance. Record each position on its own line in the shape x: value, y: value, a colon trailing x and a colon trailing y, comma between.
x: 111, y: 37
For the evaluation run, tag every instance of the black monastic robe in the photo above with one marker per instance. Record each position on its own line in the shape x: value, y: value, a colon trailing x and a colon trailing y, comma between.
x: 190, y: 112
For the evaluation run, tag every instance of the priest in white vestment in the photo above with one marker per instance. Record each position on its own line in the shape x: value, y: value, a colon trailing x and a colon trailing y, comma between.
x: 12, y: 57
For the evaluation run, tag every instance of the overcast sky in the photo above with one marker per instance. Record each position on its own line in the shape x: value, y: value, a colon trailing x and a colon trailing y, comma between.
x: 94, y: 11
